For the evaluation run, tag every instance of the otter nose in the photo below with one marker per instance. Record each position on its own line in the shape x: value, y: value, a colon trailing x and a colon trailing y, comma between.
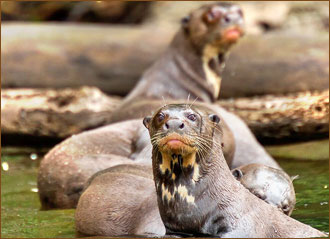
x: 174, y: 124
x: 235, y: 17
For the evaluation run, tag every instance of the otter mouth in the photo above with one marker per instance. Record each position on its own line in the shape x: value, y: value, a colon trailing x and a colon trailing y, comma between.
x: 232, y: 34
x: 175, y: 143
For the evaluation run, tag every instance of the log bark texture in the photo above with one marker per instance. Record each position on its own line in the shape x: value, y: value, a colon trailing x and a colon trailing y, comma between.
x: 61, y: 113
x: 54, y: 113
x: 113, y: 58
x: 279, y: 119
x: 74, y: 55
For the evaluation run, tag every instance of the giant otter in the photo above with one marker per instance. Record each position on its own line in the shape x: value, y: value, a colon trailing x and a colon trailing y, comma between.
x: 196, y: 192
x: 190, y: 67
x: 272, y: 185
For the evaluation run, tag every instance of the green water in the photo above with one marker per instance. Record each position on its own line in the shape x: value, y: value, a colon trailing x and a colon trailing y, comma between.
x: 21, y: 217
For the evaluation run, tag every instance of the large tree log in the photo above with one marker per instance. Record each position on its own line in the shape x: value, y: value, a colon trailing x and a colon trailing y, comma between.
x: 54, y: 113
x: 112, y: 58
x: 61, y: 113
x: 277, y: 119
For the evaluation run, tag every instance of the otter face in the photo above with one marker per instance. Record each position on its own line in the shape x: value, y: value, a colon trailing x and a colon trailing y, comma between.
x: 175, y: 128
x: 179, y: 134
x: 218, y: 25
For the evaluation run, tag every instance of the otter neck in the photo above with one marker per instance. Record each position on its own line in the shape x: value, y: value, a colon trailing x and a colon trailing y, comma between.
x: 202, y: 65
x: 182, y: 199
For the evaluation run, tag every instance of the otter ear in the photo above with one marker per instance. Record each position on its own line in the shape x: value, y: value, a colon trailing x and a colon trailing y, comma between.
x: 214, y: 118
x: 185, y: 22
x: 294, y: 177
x: 237, y: 173
x: 146, y: 121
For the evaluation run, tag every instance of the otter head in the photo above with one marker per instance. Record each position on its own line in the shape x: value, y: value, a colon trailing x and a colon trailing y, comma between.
x: 210, y: 31
x: 272, y: 185
x: 214, y: 27
x: 181, y: 135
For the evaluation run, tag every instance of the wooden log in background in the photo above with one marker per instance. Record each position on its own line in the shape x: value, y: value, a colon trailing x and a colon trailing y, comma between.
x: 61, y: 113
x: 54, y: 113
x: 112, y: 58
x: 279, y: 119
x: 59, y: 56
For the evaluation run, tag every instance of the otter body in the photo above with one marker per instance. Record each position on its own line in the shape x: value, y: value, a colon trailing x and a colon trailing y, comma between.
x: 203, y: 198
x: 272, y: 185
x: 64, y: 170
x: 120, y: 201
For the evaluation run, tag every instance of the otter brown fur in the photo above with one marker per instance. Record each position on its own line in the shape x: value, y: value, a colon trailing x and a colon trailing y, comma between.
x: 64, y: 171
x: 120, y: 201
x: 272, y: 185
x: 66, y: 168
x: 196, y: 192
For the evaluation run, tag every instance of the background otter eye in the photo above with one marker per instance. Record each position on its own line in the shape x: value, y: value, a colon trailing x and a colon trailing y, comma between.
x: 192, y: 117
x: 185, y: 20
x: 160, y: 117
x: 213, y: 15
x: 209, y: 17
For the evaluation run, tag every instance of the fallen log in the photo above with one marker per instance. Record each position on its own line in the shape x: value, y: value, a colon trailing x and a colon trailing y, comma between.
x: 54, y: 113
x: 72, y: 55
x: 279, y: 119
x: 113, y: 58
x: 61, y: 113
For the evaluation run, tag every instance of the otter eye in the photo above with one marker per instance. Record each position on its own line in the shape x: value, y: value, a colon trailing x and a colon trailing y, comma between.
x: 160, y: 117
x: 226, y: 19
x: 192, y: 117
x: 209, y: 17
x: 185, y: 20
x: 213, y: 15
x: 262, y: 197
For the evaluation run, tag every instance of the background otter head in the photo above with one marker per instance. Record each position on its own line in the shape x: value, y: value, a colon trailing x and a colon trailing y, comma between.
x: 269, y: 184
x: 214, y: 26
x: 181, y: 136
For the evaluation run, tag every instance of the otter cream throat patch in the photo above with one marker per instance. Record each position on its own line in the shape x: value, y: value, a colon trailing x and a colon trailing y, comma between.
x: 212, y: 78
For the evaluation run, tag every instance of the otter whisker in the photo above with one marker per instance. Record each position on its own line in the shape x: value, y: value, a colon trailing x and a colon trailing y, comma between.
x: 193, y: 102
x: 164, y: 101
x: 188, y: 98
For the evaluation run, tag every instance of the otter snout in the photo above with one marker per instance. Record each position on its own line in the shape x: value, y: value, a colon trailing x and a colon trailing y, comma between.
x: 174, y: 125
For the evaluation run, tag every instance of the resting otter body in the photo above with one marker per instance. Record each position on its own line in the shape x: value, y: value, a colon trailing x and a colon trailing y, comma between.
x: 196, y: 192
x: 120, y: 201
x: 190, y: 67
x: 272, y: 185
x: 64, y: 171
